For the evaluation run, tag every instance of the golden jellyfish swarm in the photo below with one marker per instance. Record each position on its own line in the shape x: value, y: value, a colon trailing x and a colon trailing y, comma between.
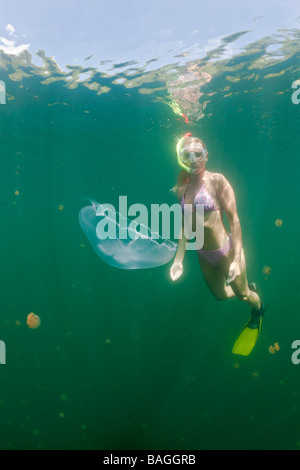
x: 33, y: 321
x: 275, y: 348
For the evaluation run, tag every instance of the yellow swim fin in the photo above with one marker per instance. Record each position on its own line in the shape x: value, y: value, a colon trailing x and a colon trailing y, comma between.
x: 249, y: 336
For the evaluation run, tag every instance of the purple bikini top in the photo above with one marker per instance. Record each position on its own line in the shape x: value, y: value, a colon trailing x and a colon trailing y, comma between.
x: 202, y: 197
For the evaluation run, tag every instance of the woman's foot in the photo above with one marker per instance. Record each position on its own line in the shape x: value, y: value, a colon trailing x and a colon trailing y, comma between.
x: 253, y: 298
x: 256, y: 316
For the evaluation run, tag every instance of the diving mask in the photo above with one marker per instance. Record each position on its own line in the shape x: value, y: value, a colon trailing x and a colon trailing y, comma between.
x: 189, y: 160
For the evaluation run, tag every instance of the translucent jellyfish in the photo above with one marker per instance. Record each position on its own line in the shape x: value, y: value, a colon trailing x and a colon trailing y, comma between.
x: 139, y: 250
x: 33, y: 321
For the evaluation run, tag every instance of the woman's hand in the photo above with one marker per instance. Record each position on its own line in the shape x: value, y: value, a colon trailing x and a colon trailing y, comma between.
x: 176, y: 270
x: 234, y: 271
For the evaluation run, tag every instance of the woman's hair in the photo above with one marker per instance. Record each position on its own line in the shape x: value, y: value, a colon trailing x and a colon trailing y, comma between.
x: 189, y: 140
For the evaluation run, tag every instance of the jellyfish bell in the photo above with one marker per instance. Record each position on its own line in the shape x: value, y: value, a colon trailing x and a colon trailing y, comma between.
x: 267, y: 270
x: 33, y: 321
x: 138, y: 250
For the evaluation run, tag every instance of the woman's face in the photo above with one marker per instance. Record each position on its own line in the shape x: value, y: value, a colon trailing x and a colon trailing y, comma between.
x: 194, y: 157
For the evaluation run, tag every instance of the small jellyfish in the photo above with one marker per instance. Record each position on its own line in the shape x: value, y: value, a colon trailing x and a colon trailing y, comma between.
x: 267, y: 270
x: 271, y: 350
x: 276, y: 347
x: 278, y: 223
x: 33, y: 321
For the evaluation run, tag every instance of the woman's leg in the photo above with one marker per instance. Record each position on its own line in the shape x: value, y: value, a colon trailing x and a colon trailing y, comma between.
x: 215, y: 281
x: 240, y: 284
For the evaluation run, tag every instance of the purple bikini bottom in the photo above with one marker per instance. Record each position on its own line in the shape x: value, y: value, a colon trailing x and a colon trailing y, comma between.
x: 214, y: 256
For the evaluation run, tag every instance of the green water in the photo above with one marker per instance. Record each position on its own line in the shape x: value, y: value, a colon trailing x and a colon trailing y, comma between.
x: 128, y: 359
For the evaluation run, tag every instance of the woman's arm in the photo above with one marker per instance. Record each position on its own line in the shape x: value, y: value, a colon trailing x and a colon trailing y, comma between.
x: 177, y: 267
x: 181, y: 247
x: 228, y: 201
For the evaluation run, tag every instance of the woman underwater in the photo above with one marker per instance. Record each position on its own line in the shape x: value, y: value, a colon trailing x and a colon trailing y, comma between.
x: 222, y: 257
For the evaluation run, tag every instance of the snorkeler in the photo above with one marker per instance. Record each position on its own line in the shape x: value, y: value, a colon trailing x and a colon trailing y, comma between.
x: 222, y: 257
